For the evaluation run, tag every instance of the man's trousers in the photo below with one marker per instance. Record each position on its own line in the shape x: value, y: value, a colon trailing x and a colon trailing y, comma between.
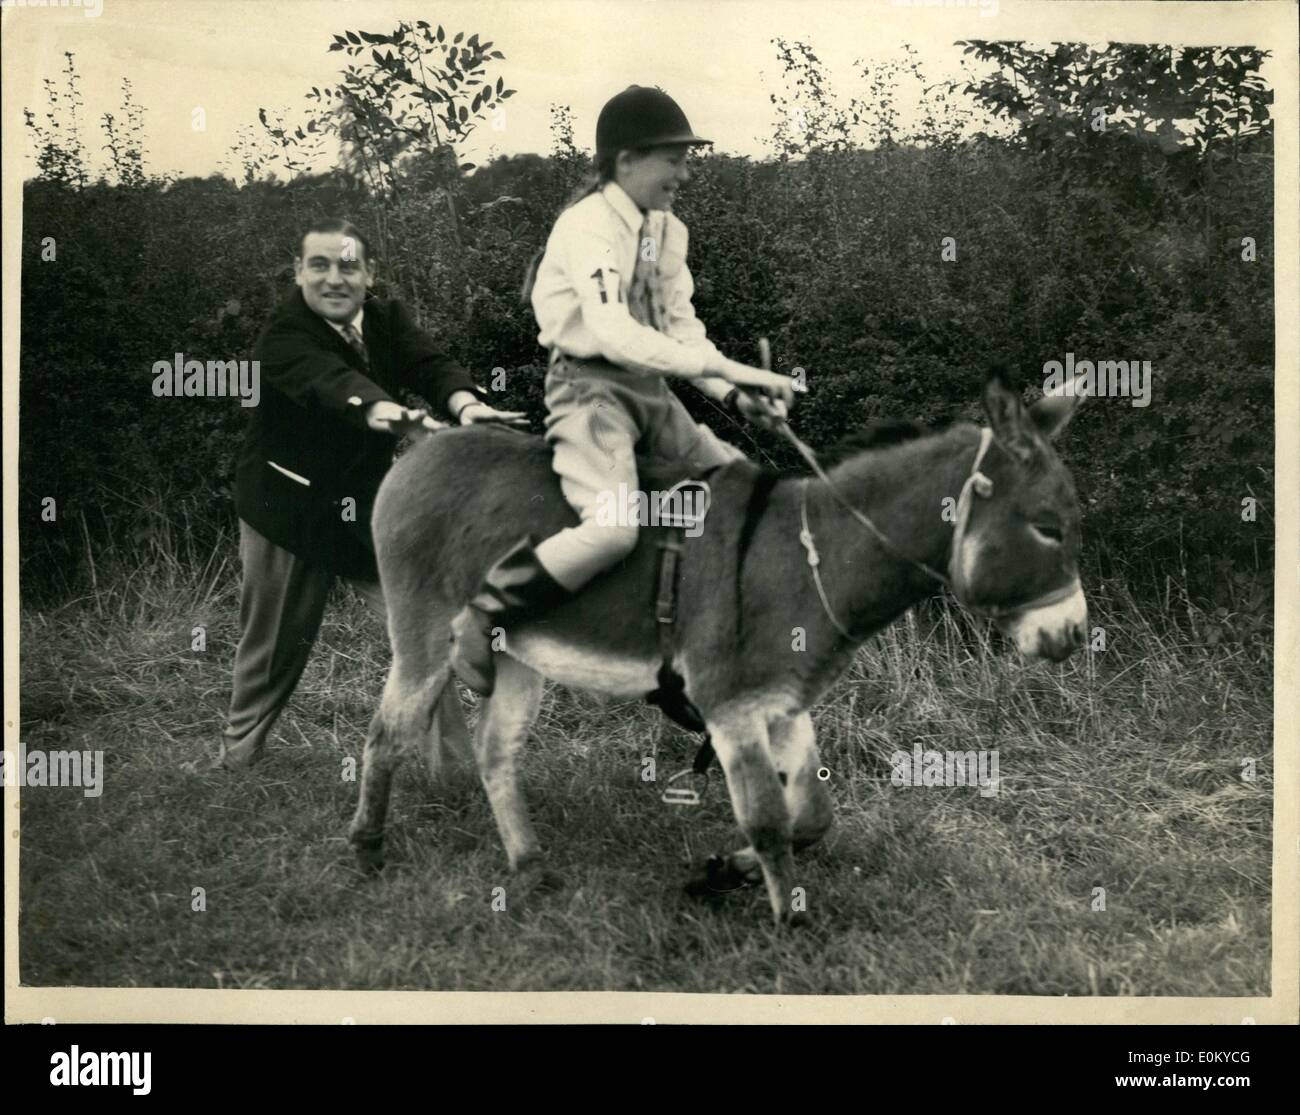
x: 282, y: 600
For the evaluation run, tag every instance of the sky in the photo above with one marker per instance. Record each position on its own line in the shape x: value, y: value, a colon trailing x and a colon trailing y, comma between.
x: 231, y: 57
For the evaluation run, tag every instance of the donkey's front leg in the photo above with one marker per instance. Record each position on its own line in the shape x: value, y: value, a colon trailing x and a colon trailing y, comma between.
x: 503, y: 727
x: 807, y: 799
x: 794, y: 752
x: 741, y: 742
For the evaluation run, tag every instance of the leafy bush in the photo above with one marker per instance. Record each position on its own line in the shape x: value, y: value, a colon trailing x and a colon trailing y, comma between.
x: 832, y: 248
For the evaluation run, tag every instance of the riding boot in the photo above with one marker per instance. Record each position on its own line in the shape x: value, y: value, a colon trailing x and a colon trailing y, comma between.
x: 515, y: 588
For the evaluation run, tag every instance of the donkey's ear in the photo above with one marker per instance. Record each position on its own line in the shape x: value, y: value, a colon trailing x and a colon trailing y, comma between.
x: 1052, y: 413
x: 1008, y: 417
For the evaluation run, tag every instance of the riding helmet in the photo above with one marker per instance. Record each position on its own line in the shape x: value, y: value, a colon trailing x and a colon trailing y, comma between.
x: 641, y: 116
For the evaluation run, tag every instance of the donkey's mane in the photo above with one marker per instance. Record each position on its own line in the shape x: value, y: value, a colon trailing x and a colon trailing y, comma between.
x: 880, y: 433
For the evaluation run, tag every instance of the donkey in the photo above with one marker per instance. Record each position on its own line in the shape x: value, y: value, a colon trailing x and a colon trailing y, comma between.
x: 749, y: 584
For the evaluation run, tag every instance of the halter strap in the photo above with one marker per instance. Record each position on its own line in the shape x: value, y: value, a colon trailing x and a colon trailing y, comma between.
x: 811, y: 459
x: 814, y: 560
x: 976, y: 484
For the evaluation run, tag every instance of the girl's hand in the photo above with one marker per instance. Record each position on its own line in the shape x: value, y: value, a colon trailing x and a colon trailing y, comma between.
x: 760, y: 410
x: 776, y: 387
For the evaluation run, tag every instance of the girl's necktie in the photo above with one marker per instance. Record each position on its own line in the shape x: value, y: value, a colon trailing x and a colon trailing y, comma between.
x: 645, y: 294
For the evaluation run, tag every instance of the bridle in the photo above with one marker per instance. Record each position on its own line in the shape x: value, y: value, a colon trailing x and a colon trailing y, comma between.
x: 977, y: 484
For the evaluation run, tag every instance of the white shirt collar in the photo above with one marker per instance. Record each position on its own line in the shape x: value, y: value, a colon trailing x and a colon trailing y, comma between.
x: 355, y: 322
x: 624, y: 206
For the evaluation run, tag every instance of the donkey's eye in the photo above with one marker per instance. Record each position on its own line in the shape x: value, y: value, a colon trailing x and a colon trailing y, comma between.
x: 1049, y: 532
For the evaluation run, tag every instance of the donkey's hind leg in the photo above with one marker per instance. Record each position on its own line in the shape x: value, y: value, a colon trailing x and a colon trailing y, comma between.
x: 448, y: 748
x: 741, y: 743
x: 403, y: 719
x: 502, y: 729
x: 423, y: 636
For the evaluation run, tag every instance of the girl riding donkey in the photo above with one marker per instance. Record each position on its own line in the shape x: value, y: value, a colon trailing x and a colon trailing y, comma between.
x: 612, y: 296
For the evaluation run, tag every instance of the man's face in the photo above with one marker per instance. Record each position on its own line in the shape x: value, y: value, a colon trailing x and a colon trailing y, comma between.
x: 651, y: 178
x: 333, y: 274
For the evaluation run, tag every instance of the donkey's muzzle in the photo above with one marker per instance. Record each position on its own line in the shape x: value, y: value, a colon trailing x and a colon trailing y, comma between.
x: 1054, y: 631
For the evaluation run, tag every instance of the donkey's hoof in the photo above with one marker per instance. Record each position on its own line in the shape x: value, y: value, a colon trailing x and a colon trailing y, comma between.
x: 717, y: 875
x: 205, y: 765
x: 797, y: 919
x: 532, y: 876
x: 370, y: 854
x: 546, y: 881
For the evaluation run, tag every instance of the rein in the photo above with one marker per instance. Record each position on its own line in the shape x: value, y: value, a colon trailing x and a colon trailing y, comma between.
x: 977, y: 483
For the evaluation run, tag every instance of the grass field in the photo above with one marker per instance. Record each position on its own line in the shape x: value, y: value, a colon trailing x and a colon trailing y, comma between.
x: 1119, y: 769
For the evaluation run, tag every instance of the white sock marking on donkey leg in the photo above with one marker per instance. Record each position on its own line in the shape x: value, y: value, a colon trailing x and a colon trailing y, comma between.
x: 794, y: 752
x: 808, y: 801
x: 502, y: 731
x: 758, y: 800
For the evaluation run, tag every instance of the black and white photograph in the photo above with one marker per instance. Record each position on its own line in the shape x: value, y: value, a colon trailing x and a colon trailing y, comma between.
x: 770, y: 509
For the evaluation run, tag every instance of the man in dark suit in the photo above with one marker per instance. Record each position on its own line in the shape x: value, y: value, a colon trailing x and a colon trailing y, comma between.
x: 320, y: 442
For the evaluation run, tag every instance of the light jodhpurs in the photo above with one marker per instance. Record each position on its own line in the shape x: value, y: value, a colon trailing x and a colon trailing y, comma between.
x: 599, y: 418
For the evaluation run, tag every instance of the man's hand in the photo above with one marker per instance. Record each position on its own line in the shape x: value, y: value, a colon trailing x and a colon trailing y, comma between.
x: 473, y: 413
x: 392, y: 418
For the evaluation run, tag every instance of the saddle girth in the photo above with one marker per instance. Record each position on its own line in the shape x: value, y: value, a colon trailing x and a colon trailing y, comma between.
x: 670, y: 696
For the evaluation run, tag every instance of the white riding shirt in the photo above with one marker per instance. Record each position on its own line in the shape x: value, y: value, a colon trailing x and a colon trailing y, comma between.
x: 581, y: 289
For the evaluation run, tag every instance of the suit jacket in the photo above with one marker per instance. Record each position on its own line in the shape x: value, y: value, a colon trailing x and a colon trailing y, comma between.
x: 308, y: 448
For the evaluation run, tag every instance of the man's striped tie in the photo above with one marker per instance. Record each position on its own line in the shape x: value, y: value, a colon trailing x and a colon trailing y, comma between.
x: 353, y: 337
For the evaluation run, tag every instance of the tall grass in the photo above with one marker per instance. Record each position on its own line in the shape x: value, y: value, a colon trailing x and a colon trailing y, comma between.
x: 1121, y: 769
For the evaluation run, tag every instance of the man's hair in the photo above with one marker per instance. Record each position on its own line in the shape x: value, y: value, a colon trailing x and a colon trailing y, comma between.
x: 339, y: 225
